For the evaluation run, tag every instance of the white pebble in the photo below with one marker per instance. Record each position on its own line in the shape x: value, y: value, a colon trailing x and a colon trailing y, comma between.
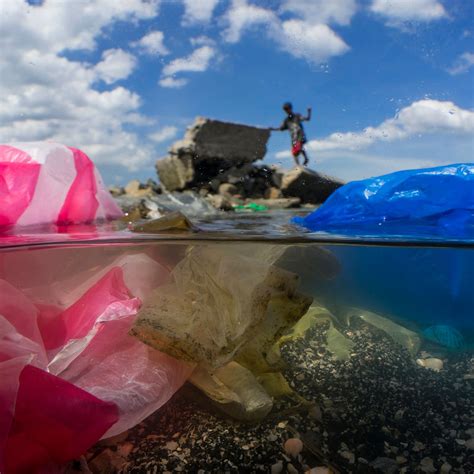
x: 319, y: 470
x: 431, y: 363
x: 293, y: 446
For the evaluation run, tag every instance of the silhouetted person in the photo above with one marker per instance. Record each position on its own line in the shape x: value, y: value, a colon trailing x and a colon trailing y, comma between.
x: 293, y: 123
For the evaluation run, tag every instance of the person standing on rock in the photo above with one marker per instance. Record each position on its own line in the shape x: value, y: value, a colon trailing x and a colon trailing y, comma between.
x: 293, y: 123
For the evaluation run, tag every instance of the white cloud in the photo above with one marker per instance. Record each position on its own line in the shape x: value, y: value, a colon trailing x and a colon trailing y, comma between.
x: 322, y: 11
x: 202, y: 41
x: 308, y: 39
x: 152, y: 43
x: 462, y: 64
x: 163, y: 135
x: 198, y: 11
x: 58, y: 25
x: 242, y: 16
x: 197, y: 61
x: 45, y: 95
x: 399, y: 11
x: 315, y: 43
x: 421, y: 117
x: 172, y: 83
x: 116, y: 64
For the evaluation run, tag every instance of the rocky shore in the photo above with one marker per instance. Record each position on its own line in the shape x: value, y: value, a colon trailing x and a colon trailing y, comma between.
x: 216, y: 166
x: 376, y: 411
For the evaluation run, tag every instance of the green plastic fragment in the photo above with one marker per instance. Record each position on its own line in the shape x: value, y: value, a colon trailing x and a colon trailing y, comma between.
x: 251, y: 206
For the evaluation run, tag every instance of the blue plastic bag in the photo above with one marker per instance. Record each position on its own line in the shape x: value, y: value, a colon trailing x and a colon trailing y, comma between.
x: 431, y: 202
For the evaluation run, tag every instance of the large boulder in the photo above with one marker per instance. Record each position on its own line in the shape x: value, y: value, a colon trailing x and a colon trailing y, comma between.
x: 225, y: 140
x: 309, y: 186
x: 209, y: 151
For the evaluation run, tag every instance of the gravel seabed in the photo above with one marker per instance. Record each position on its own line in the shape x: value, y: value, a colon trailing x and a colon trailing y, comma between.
x: 377, y: 412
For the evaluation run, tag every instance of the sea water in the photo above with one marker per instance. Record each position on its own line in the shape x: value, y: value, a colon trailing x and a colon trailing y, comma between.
x: 364, y: 401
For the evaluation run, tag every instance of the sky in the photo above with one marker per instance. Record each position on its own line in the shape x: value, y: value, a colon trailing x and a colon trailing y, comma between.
x: 390, y: 82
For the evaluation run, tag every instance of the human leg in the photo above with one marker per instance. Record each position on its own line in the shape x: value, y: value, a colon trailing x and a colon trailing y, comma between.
x: 305, y: 156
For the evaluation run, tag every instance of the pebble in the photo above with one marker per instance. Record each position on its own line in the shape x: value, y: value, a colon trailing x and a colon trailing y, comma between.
x: 277, y: 467
x: 293, y: 447
x: 431, y: 363
x: 291, y: 469
x: 319, y: 470
x: 469, y: 444
x: 426, y: 465
x: 445, y: 468
x: 171, y: 445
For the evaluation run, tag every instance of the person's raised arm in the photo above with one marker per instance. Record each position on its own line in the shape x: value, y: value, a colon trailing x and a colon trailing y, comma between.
x: 308, y: 116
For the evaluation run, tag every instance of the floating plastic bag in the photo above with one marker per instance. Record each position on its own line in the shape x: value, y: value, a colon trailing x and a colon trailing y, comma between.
x: 415, y: 203
x: 49, y: 183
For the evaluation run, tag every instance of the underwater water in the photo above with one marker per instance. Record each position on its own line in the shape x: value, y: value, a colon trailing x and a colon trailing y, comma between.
x: 373, y: 340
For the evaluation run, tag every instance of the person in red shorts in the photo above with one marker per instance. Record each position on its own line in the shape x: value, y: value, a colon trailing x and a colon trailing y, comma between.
x: 293, y: 123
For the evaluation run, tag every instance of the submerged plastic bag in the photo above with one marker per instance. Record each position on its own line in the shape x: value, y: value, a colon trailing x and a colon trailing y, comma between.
x: 49, y: 183
x: 415, y: 203
x: 70, y: 371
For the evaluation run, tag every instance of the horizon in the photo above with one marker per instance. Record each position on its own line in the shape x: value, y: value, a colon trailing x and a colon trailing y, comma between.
x: 390, y: 82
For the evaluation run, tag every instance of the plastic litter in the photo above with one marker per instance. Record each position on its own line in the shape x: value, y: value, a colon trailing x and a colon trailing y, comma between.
x: 251, y: 206
x: 49, y: 183
x: 70, y: 371
x: 416, y: 203
x: 206, y: 315
x: 444, y: 335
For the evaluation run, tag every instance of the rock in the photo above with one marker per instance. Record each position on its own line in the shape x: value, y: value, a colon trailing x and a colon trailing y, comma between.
x: 293, y: 447
x: 273, y: 193
x: 426, y: 465
x: 348, y: 456
x: 227, y: 141
x: 385, y: 465
x: 309, y: 186
x: 171, y: 446
x: 176, y: 173
x: 134, y: 189
x: 445, y: 468
x: 277, y: 468
x: 175, y: 221
x: 220, y: 202
x: 116, y: 190
x: 284, y: 203
x: 469, y: 443
x: 291, y: 469
x: 431, y: 363
x: 228, y: 189
x: 152, y: 184
x: 209, y: 150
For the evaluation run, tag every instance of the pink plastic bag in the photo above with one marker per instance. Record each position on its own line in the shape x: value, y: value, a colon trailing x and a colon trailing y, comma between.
x: 49, y: 183
x: 65, y: 353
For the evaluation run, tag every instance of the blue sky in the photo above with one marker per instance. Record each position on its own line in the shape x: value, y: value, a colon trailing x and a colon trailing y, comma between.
x: 390, y: 81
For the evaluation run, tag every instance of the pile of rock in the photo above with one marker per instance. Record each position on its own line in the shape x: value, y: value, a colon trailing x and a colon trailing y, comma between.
x: 217, y: 160
x: 214, y: 165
